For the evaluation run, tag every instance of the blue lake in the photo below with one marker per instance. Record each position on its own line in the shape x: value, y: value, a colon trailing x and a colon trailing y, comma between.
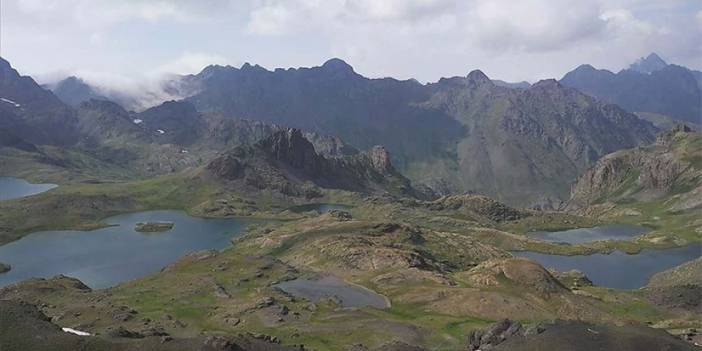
x: 13, y: 188
x: 618, y: 269
x: 585, y: 235
x: 108, y: 256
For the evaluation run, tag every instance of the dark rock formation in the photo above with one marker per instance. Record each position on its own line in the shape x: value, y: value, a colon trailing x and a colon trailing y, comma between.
x: 288, y: 163
x: 494, y: 335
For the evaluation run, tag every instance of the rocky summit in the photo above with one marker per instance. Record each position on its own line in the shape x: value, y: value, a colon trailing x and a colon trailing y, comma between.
x: 288, y: 162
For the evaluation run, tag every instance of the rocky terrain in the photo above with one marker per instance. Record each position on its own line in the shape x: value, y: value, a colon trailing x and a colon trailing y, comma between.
x: 671, y: 166
x: 27, y: 328
x: 288, y: 162
x: 572, y: 335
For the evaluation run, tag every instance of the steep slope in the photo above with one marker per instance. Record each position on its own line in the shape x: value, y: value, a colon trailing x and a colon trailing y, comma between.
x: 648, y: 86
x: 457, y: 135
x: 670, y: 166
x: 526, y: 146
x: 287, y: 162
x: 32, y: 113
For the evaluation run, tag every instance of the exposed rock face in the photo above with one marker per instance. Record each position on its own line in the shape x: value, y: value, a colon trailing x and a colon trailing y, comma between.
x: 494, y: 335
x: 670, y: 166
x: 4, y: 268
x: 287, y: 162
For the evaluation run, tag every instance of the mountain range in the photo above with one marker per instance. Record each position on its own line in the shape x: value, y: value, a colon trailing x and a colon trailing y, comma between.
x: 649, y: 85
x: 459, y: 135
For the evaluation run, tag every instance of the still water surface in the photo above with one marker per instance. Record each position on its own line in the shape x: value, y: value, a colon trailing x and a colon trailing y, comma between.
x: 618, y: 269
x: 109, y: 256
x: 13, y: 188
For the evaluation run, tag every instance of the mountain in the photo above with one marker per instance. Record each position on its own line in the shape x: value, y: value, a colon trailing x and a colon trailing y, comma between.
x: 648, y: 64
x: 287, y: 162
x: 461, y: 134
x: 649, y: 85
x: 73, y: 91
x: 670, y: 166
x: 32, y: 113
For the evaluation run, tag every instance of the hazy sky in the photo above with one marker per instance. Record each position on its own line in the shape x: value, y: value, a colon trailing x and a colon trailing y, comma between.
x: 114, y: 41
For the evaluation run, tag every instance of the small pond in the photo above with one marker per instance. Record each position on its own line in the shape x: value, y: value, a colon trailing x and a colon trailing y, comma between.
x: 586, y: 235
x: 618, y: 269
x: 348, y: 295
x: 108, y: 256
x: 13, y: 188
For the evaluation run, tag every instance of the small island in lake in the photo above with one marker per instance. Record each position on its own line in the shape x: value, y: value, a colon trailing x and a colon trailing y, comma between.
x: 4, y: 267
x: 153, y: 227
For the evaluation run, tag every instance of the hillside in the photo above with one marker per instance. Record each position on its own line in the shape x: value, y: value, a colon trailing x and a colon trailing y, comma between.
x: 670, y: 166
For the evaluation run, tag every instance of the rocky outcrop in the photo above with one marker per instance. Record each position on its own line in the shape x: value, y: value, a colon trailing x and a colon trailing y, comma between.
x: 669, y: 166
x: 483, y: 340
x: 288, y: 163
x: 4, y: 268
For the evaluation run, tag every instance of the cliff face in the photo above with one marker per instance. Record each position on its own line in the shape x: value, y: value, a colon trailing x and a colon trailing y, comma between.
x: 670, y: 166
x: 287, y: 162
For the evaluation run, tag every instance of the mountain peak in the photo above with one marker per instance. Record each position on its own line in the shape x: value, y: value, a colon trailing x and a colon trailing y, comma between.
x: 337, y: 65
x: 478, y: 76
x: 547, y: 84
x: 648, y: 64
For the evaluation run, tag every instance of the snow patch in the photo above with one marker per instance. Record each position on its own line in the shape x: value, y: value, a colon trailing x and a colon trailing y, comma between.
x: 160, y: 131
x: 137, y: 121
x: 10, y: 102
x: 77, y: 332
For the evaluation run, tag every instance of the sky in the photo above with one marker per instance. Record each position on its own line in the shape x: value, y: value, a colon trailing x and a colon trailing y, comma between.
x: 123, y: 42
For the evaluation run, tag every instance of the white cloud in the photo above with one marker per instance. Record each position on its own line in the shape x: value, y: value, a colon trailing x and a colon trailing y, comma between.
x: 533, y: 25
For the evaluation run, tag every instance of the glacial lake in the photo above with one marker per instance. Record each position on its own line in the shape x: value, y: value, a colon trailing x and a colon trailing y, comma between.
x: 321, y: 208
x: 108, y: 256
x: 586, y: 235
x: 348, y: 295
x: 618, y: 269
x: 13, y: 188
